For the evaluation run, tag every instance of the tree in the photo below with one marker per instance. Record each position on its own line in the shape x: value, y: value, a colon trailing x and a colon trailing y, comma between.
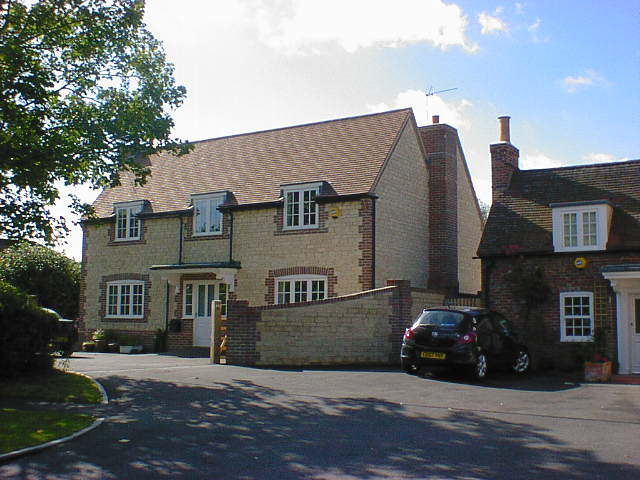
x: 45, y: 273
x: 484, y: 210
x: 86, y: 92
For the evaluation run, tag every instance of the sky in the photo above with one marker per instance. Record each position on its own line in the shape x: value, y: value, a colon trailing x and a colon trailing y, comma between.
x: 566, y: 72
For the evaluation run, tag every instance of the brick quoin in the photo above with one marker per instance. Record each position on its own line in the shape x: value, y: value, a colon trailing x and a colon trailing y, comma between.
x: 365, y: 246
x: 401, y: 304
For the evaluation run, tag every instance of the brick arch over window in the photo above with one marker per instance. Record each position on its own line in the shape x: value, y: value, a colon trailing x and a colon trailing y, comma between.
x: 123, y: 277
x: 332, y: 279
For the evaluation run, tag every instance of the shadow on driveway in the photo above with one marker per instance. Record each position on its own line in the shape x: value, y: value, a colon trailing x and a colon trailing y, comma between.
x: 240, y: 430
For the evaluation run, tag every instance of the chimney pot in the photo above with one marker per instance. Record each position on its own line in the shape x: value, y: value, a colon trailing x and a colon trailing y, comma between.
x: 435, y: 119
x: 504, y: 129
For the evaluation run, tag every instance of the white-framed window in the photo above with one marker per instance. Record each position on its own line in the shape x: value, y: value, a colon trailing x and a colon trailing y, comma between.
x: 581, y: 227
x: 300, y: 288
x: 576, y: 316
x: 198, y: 295
x: 207, y: 219
x: 125, y: 299
x: 300, y: 207
x: 127, y: 221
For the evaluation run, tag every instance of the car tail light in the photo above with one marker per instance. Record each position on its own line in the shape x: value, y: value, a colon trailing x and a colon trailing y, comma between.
x: 467, y: 338
x: 408, y: 333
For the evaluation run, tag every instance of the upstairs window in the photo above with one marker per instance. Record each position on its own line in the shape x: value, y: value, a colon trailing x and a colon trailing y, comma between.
x: 127, y: 221
x: 207, y: 219
x: 125, y: 300
x: 580, y: 226
x: 300, y: 207
x: 300, y: 288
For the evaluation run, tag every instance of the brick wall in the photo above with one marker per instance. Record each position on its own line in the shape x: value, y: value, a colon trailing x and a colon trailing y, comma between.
x: 561, y: 276
x: 363, y: 328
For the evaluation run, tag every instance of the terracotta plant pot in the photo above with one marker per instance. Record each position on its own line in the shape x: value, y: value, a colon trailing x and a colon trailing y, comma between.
x: 597, y: 371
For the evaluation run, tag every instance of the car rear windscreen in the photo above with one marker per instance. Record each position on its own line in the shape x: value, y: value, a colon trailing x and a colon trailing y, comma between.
x: 440, y: 318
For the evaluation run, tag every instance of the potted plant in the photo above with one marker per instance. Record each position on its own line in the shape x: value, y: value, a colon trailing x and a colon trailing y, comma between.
x: 130, y: 344
x: 99, y: 336
x: 597, y: 364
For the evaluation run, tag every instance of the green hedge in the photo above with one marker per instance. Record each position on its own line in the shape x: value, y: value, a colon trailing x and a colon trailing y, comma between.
x: 25, y: 333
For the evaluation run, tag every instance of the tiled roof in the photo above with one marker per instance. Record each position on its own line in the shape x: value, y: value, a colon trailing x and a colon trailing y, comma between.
x: 520, y: 218
x: 348, y: 153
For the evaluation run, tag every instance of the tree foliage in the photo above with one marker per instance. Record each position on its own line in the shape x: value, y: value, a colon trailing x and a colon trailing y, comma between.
x: 86, y: 92
x: 41, y: 271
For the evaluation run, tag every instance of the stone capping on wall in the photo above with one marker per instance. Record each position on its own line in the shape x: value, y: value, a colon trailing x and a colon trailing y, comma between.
x: 342, y: 298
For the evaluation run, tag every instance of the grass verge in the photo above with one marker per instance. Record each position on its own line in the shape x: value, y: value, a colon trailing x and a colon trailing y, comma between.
x: 22, y: 428
x: 57, y: 386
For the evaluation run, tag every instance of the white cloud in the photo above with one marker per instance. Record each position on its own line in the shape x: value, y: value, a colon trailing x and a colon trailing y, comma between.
x: 491, y: 23
x: 589, y: 79
x: 601, y: 158
x: 310, y: 26
x: 536, y: 160
x: 424, y: 107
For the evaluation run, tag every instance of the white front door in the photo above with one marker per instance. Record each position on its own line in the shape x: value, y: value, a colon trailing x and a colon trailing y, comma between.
x: 198, y: 298
x: 635, y: 334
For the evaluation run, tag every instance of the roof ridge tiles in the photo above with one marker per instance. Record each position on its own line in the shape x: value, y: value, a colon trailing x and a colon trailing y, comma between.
x: 287, y: 127
x: 588, y: 165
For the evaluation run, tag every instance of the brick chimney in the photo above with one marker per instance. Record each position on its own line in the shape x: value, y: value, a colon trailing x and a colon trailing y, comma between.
x: 504, y: 160
x: 442, y: 146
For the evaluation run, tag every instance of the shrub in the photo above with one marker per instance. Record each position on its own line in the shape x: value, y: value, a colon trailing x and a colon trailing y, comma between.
x: 25, y: 333
x: 41, y: 271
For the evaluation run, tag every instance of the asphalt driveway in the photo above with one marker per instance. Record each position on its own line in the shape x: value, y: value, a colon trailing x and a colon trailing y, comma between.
x: 172, y: 417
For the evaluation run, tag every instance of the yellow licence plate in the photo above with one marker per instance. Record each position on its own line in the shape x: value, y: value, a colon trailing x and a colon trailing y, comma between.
x: 437, y: 355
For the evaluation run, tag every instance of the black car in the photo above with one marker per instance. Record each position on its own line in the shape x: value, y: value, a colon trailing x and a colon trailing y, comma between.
x: 473, y: 338
x: 65, y: 335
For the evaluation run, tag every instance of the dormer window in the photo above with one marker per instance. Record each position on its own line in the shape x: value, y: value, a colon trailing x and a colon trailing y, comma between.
x: 300, y: 207
x: 127, y: 221
x: 581, y: 226
x: 207, y: 219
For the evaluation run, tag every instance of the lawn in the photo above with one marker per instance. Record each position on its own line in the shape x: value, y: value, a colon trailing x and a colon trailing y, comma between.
x: 23, y: 428
x: 57, y: 386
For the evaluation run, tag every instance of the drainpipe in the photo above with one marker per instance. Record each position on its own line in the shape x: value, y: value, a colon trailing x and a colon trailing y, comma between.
x: 487, y: 278
x: 230, y: 236
x: 166, y: 314
x: 180, y: 241
x: 373, y: 242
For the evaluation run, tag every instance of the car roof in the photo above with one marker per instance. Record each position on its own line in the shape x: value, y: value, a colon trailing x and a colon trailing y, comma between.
x: 460, y: 308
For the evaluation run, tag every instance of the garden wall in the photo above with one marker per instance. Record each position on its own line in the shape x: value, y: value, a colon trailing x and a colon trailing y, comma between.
x: 360, y: 329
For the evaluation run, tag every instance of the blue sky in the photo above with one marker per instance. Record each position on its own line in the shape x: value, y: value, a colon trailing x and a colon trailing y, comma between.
x: 567, y: 72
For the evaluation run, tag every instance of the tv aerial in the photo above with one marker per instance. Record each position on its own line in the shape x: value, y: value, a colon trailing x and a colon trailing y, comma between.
x: 431, y: 92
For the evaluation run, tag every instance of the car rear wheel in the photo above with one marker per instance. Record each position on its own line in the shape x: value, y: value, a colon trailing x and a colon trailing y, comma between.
x: 409, y: 366
x: 479, y: 371
x: 522, y: 363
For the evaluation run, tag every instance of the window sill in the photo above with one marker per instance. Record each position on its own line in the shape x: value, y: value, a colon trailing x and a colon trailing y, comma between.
x: 577, y: 340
